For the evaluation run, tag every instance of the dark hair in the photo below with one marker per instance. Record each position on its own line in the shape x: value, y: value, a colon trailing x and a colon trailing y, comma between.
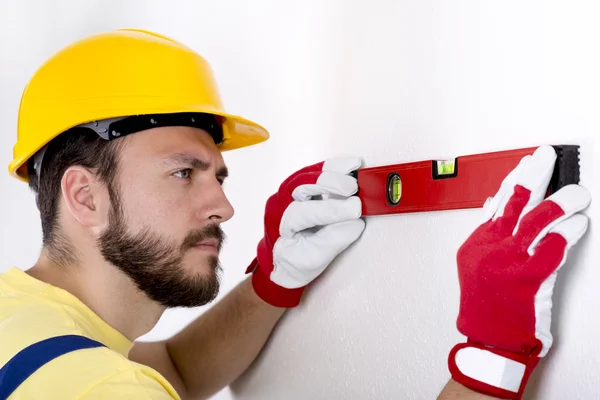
x: 77, y: 146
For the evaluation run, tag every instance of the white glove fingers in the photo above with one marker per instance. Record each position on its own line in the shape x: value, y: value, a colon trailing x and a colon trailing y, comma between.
x: 554, y: 247
x: 562, y: 236
x: 301, y: 215
x: 495, y: 205
x: 325, y: 183
x: 572, y: 229
x: 342, y: 165
x: 300, y: 259
x: 533, y: 173
x: 537, y: 171
x: 560, y: 206
x: 537, y: 177
x: 332, y: 239
x: 512, y: 210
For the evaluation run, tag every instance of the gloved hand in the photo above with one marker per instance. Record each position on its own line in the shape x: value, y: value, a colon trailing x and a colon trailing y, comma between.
x: 507, y: 270
x: 308, y: 222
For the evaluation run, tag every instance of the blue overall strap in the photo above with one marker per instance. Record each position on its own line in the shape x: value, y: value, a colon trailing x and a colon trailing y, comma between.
x: 28, y: 360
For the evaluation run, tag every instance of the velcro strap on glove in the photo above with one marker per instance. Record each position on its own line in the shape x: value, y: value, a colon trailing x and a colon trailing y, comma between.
x: 491, y: 371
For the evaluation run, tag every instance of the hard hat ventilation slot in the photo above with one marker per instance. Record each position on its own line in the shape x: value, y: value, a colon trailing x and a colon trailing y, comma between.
x: 113, y: 128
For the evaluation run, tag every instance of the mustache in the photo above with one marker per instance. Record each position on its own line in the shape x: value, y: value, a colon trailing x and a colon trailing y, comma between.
x: 199, y: 235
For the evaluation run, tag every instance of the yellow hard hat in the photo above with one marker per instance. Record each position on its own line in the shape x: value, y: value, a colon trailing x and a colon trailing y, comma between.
x: 126, y: 72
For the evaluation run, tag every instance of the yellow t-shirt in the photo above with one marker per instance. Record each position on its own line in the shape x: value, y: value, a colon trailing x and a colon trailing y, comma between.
x: 31, y: 310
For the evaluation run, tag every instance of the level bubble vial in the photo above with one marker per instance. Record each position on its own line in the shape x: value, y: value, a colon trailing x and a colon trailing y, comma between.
x: 394, y: 189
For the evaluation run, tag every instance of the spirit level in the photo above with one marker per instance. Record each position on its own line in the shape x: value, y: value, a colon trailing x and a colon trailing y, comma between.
x: 464, y: 182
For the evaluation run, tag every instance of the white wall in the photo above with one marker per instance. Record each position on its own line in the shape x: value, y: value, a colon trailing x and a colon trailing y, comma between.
x: 391, y: 81
x: 424, y: 79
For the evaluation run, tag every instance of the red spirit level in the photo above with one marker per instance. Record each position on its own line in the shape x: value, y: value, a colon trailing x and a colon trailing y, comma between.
x: 464, y: 182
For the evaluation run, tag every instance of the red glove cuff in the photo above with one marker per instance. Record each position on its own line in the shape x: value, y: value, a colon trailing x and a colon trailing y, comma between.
x: 271, y: 292
x: 491, y: 371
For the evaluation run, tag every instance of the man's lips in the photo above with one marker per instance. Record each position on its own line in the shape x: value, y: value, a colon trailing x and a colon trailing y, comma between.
x: 214, y: 243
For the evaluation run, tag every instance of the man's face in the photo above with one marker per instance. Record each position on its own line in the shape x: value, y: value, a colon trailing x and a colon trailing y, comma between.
x: 167, y: 204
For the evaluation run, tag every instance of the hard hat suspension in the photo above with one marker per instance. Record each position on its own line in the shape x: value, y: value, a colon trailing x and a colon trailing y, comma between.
x: 114, y: 128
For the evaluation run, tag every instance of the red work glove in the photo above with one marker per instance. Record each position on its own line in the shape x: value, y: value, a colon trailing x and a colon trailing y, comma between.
x: 507, y: 269
x: 311, y: 219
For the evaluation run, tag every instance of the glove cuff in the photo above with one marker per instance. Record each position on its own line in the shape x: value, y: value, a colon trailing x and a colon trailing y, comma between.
x: 491, y: 371
x: 272, y: 293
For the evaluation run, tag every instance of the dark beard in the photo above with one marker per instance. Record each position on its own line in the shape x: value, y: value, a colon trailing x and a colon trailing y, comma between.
x: 155, y: 265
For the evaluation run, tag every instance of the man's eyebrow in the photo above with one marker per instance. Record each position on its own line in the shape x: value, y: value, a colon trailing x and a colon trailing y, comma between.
x: 194, y: 162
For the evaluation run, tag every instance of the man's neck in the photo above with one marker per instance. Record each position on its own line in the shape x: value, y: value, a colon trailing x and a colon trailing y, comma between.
x: 106, y: 291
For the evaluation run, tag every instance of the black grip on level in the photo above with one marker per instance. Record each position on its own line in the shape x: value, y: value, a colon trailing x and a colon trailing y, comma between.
x: 566, y: 168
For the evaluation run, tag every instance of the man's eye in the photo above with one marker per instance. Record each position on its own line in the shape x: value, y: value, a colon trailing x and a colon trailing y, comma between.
x: 183, y: 173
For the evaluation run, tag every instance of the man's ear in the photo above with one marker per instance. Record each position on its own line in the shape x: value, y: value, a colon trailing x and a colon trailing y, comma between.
x: 84, y: 196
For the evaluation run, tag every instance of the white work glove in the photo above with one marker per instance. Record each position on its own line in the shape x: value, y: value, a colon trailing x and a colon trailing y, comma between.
x: 313, y: 217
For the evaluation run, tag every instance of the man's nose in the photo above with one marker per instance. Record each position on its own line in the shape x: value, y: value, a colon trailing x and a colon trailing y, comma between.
x: 213, y: 203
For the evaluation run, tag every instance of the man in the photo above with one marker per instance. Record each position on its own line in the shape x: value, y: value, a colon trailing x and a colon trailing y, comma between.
x: 120, y: 137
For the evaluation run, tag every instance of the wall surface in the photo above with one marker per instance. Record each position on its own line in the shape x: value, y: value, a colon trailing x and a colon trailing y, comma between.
x: 390, y: 81
x: 425, y: 79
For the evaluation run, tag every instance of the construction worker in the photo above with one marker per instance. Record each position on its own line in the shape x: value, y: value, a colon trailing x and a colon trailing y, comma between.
x: 120, y: 137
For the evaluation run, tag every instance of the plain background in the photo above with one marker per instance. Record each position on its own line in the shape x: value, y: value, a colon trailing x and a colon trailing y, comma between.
x: 390, y: 81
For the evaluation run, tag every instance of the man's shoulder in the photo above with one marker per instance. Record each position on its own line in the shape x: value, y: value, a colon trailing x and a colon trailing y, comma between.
x: 139, y: 382
x: 90, y: 373
x: 114, y: 376
x: 96, y: 373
